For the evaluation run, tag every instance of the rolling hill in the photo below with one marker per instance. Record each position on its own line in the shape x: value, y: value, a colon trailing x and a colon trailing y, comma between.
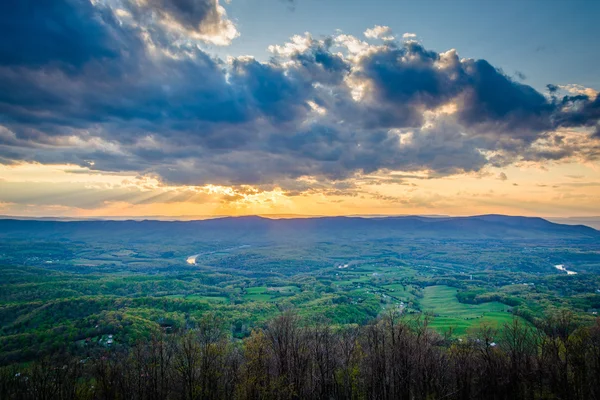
x: 257, y: 228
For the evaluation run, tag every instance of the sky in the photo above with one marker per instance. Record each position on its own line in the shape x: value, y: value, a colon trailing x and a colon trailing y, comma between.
x: 198, y: 108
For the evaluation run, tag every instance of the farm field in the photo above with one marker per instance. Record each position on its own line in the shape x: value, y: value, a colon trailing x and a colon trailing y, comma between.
x: 449, y: 313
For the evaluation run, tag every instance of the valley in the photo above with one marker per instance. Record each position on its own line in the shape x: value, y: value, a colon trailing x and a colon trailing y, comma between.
x: 72, y: 281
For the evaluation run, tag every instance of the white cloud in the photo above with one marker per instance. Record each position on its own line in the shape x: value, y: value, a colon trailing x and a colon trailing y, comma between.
x: 379, y: 32
x: 297, y: 44
x: 354, y: 45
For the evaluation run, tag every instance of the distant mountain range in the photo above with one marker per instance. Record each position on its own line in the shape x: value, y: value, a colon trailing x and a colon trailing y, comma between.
x: 256, y: 228
x: 593, y: 222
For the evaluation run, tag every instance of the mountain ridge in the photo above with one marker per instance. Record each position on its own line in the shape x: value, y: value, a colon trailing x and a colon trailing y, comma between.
x: 487, y: 226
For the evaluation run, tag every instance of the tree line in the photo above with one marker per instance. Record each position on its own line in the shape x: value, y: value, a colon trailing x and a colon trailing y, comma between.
x: 393, y: 357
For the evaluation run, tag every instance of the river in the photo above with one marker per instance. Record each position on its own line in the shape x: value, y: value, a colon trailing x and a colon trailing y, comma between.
x: 561, y: 267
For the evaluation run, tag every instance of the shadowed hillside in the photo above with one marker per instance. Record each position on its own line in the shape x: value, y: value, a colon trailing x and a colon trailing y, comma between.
x: 318, y: 229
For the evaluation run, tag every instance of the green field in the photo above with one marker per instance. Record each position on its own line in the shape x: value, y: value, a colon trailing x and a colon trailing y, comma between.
x: 448, y: 312
x: 264, y: 293
x: 399, y: 291
x: 218, y: 299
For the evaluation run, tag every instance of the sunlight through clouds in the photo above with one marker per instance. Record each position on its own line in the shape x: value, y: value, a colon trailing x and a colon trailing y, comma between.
x: 135, y: 110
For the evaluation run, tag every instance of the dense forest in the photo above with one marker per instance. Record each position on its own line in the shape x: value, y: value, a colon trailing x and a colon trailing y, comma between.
x: 394, y: 357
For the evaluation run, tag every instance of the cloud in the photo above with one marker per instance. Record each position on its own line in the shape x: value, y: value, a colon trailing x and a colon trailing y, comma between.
x: 579, y: 90
x: 86, y: 196
x: 521, y: 76
x: 204, y: 20
x: 61, y: 32
x: 502, y: 176
x: 492, y: 101
x: 578, y: 110
x: 379, y: 32
x: 131, y: 89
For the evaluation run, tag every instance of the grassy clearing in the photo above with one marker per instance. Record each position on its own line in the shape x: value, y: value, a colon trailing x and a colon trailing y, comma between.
x: 258, y: 293
x: 400, y: 291
x: 449, y: 313
x: 218, y: 299
x: 264, y: 293
x: 284, y: 290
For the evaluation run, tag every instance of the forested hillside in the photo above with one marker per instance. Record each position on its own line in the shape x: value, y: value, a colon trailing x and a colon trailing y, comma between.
x: 394, y: 357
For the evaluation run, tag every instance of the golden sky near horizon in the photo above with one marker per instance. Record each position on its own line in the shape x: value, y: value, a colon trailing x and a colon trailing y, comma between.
x: 557, y: 190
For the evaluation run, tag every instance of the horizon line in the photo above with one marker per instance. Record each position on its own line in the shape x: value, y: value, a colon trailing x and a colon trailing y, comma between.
x: 274, y: 216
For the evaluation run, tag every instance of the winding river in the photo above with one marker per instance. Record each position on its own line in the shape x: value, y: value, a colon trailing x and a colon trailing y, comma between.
x: 192, y: 259
x: 561, y: 267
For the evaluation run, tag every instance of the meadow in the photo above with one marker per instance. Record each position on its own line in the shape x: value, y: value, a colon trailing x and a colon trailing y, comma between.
x: 449, y: 315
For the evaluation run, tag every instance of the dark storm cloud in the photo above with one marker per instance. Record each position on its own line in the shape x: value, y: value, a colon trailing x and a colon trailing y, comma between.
x: 271, y: 92
x: 492, y: 97
x: 102, y: 92
x: 406, y: 76
x: 409, y: 77
x: 69, y: 32
x: 578, y: 110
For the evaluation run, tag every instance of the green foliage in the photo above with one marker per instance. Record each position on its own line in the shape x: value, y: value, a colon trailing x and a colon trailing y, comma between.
x: 57, y: 292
